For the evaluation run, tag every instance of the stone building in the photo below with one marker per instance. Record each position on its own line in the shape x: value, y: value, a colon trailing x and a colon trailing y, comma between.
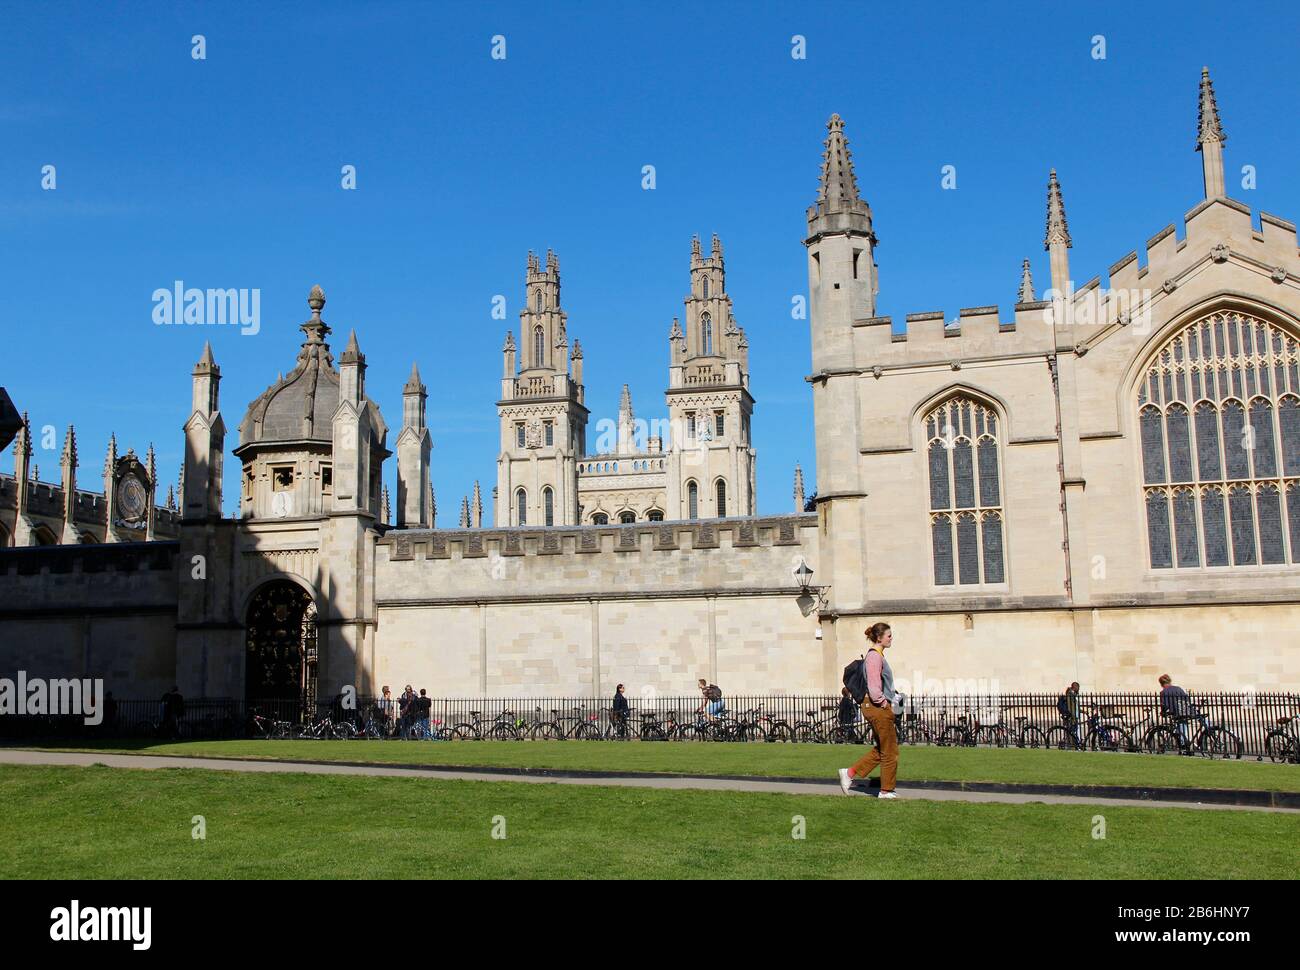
x: 1101, y: 485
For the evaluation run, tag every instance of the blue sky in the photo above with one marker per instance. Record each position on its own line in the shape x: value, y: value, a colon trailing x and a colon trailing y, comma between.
x: 225, y: 172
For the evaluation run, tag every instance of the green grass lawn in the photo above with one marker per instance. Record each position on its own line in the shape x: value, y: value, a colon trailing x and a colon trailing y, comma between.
x: 794, y: 760
x: 97, y: 822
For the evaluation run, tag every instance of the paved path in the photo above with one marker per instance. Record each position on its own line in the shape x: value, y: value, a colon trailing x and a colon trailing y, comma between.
x: 21, y: 757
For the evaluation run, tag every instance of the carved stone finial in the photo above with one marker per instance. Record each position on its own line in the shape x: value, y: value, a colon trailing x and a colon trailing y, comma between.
x: 316, y: 300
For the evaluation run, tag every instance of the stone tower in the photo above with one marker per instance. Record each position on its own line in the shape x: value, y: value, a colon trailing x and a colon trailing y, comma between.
x: 205, y: 442
x: 543, y: 418
x: 711, y: 464
x: 842, y: 289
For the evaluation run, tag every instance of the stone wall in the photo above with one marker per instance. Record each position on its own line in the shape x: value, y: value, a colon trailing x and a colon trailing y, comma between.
x: 537, y: 612
x: 91, y: 611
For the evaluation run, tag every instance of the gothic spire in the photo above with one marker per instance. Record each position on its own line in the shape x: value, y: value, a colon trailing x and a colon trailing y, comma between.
x: 1058, y: 230
x: 1208, y: 126
x: 110, y: 459
x: 625, y: 402
x: 477, y: 507
x: 798, y: 488
x: 1210, y: 139
x: 839, y: 206
x: 413, y: 384
x: 70, y: 448
x: 839, y: 184
x: 1026, y: 284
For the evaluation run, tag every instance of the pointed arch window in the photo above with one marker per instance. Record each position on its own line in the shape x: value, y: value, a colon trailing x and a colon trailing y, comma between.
x: 692, y: 500
x: 720, y: 492
x: 537, y: 300
x: 1218, y: 412
x: 706, y: 335
x: 600, y: 518
x: 548, y: 506
x: 705, y: 287
x: 539, y: 346
x: 965, y: 486
x: 521, y: 507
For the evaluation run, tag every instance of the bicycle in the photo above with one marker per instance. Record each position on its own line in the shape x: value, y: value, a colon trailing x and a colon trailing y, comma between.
x: 1209, y: 740
x: 814, y: 729
x: 775, y: 729
x: 322, y: 729
x: 1106, y: 731
x: 265, y: 727
x: 1025, y: 734
x: 1282, y: 744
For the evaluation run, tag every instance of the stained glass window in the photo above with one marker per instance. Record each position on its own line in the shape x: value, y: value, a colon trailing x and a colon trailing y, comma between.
x: 1236, y: 455
x: 966, y: 523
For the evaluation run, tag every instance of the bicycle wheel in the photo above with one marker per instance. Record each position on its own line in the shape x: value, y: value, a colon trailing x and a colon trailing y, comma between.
x: 1032, y: 737
x: 502, y: 732
x: 1278, y: 746
x: 991, y: 737
x: 751, y: 732
x: 653, y: 732
x: 1161, y: 740
x: 587, y: 732
x: 1061, y: 738
x: 1220, y: 743
x: 778, y: 732
x: 465, y: 732
x: 281, y: 730
x: 343, y: 731
x: 1107, y: 739
x: 952, y: 736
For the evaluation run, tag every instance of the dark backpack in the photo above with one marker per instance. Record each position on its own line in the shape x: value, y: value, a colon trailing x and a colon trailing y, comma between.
x: 713, y: 692
x: 855, y: 679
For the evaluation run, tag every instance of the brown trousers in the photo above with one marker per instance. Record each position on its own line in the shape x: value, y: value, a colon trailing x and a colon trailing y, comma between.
x: 885, y: 752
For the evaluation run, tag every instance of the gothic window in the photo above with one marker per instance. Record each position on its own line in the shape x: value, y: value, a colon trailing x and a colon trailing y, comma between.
x: 706, y: 335
x: 550, y: 433
x: 600, y: 518
x: 719, y: 424
x: 654, y: 515
x: 520, y: 435
x: 537, y: 300
x: 627, y: 518
x: 539, y: 346
x: 548, y: 506
x: 705, y: 283
x: 1219, y: 429
x: 965, y: 487
x: 521, y: 507
x: 720, y: 490
x: 692, y: 500
x: 690, y: 427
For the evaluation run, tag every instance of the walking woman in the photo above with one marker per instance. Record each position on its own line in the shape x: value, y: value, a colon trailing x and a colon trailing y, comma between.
x: 878, y: 708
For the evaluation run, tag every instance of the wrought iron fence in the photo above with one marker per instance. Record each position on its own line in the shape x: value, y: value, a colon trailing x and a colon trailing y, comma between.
x: 1250, y: 717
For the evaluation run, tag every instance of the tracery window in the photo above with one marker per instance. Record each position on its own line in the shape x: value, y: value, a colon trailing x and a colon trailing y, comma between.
x: 539, y: 346
x: 692, y: 500
x: 706, y: 335
x: 1219, y: 431
x: 720, y: 491
x: 548, y: 506
x: 521, y: 507
x: 965, y: 480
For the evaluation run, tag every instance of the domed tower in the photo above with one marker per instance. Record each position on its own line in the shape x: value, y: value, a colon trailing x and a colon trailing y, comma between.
x: 312, y: 443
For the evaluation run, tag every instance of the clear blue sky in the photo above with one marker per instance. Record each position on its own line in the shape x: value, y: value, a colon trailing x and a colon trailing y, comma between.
x: 226, y: 173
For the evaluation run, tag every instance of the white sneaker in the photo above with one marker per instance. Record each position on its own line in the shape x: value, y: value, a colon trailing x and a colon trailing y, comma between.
x: 888, y: 794
x: 845, y: 781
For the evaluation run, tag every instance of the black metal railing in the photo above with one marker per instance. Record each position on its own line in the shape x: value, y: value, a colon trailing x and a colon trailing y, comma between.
x: 1250, y: 717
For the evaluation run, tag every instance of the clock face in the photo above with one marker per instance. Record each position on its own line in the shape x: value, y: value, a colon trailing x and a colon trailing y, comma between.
x: 131, y: 499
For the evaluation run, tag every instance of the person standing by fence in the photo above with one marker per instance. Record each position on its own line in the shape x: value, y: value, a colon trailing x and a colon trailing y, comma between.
x: 878, y: 708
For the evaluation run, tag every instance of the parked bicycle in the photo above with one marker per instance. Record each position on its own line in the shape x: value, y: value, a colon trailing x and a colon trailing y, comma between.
x: 1192, y: 734
x: 1282, y: 744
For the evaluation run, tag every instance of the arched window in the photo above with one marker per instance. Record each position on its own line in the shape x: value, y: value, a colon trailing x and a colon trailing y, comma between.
x: 627, y: 518
x: 654, y: 515
x: 692, y: 500
x: 720, y: 493
x: 600, y: 518
x: 965, y: 482
x: 706, y: 335
x: 537, y: 300
x: 521, y: 507
x: 548, y: 506
x: 1218, y: 418
x: 42, y: 536
x: 539, y: 346
x: 705, y: 287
